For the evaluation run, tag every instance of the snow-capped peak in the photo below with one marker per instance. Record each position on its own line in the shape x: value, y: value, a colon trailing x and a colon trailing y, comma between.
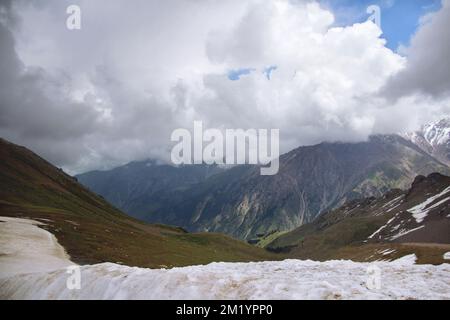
x: 437, y: 133
x: 433, y: 138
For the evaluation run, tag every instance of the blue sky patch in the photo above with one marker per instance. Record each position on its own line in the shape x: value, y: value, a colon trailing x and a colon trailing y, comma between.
x: 236, y: 74
x: 399, y: 18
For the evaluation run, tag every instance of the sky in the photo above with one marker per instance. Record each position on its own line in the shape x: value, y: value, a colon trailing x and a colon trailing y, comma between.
x: 400, y: 18
x: 113, y: 91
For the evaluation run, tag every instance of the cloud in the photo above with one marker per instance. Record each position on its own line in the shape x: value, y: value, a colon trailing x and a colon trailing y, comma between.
x: 324, y: 74
x: 35, y: 107
x: 427, y: 70
x: 114, y: 91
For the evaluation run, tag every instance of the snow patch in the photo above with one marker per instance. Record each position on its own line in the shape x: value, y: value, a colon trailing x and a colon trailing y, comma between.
x: 25, y: 248
x: 382, y: 228
x: 447, y: 256
x: 392, y: 202
x: 387, y: 251
x: 405, y: 232
x: 409, y: 259
x: 420, y: 211
x: 290, y: 279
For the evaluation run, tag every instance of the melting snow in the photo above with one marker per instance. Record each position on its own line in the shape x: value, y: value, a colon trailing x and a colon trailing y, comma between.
x: 379, y: 230
x: 26, y: 248
x: 289, y: 279
x: 420, y: 211
x: 405, y: 232
x: 447, y: 256
x: 387, y: 251
x: 392, y: 202
x: 409, y: 259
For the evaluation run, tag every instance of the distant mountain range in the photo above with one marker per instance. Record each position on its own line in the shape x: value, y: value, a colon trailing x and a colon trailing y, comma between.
x: 397, y: 223
x: 242, y: 203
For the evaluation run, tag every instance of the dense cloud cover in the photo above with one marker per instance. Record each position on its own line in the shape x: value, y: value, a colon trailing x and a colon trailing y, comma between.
x: 113, y: 91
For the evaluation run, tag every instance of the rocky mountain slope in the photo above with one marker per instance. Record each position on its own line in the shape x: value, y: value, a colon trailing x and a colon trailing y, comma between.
x: 130, y: 187
x: 417, y: 220
x: 311, y: 180
x: 92, y: 230
x: 434, y: 138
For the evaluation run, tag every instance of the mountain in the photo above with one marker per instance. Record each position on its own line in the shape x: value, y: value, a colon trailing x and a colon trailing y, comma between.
x: 311, y: 180
x: 130, y: 187
x: 92, y: 230
x: 398, y: 223
x: 433, y: 138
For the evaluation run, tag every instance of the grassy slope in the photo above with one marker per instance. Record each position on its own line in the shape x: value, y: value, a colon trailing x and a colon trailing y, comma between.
x: 93, y: 231
x: 343, y: 241
x: 311, y: 241
x: 341, y: 234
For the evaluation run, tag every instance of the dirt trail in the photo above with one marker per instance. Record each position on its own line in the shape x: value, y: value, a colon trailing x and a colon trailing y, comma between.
x: 427, y: 245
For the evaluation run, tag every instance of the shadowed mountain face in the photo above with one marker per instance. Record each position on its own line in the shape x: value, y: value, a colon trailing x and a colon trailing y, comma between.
x: 417, y: 219
x: 311, y: 180
x: 130, y: 187
x: 92, y: 230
